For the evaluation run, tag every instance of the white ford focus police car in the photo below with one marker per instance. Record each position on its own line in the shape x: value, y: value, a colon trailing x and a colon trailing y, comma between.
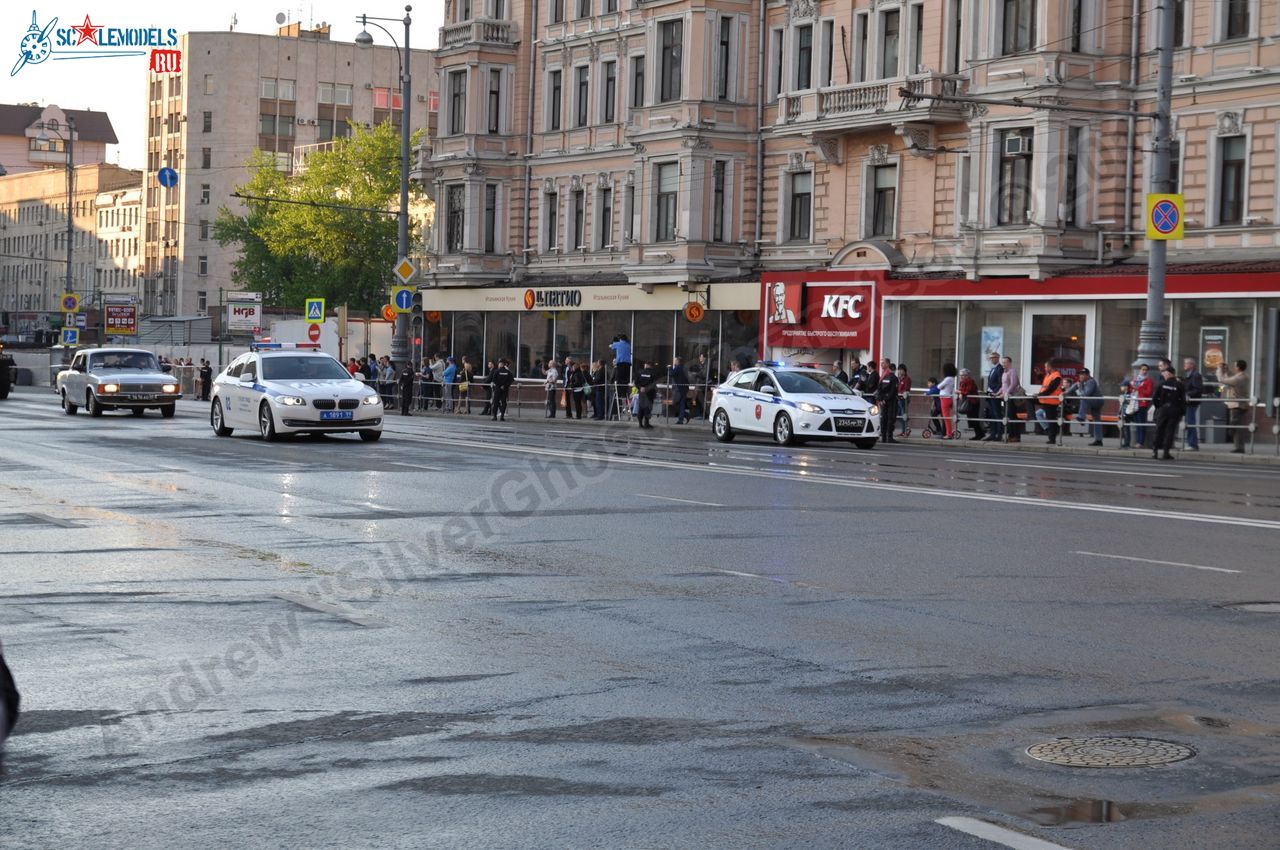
x: 279, y: 389
x: 794, y: 404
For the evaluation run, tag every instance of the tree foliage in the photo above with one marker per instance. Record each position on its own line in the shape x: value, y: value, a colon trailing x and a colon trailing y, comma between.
x: 313, y: 249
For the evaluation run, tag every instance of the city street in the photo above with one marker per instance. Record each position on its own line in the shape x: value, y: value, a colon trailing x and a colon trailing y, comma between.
x: 552, y: 634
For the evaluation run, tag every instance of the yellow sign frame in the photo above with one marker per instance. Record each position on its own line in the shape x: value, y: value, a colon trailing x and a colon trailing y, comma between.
x: 1156, y: 205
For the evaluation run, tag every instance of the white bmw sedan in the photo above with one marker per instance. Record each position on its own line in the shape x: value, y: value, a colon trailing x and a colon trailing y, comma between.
x: 793, y: 404
x: 276, y: 390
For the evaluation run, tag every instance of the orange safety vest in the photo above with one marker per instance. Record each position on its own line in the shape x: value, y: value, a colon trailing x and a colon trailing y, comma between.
x: 1055, y: 396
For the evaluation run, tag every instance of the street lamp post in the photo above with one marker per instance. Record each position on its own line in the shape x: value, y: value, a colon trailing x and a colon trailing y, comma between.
x: 70, y: 141
x: 400, y: 338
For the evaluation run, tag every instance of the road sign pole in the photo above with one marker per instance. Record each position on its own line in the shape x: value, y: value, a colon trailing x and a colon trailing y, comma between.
x: 1153, y: 336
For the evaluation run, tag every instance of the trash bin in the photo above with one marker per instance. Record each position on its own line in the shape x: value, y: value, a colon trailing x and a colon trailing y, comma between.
x: 1213, y: 419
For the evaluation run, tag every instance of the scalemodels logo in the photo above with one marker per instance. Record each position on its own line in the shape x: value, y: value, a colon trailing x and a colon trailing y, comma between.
x: 95, y: 41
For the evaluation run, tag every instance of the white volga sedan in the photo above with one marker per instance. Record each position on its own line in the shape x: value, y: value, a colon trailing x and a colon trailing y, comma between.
x: 295, y: 390
x: 794, y: 404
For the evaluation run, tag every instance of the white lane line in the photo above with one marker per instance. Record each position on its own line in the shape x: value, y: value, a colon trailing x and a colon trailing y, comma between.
x: 1163, y: 563
x: 998, y: 834
x: 803, y: 475
x: 415, y: 466
x: 774, y: 579
x: 685, y: 501
x: 740, y: 574
x: 333, y: 610
x: 1090, y: 470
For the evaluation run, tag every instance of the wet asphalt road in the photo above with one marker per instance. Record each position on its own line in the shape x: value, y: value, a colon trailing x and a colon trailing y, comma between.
x: 567, y: 635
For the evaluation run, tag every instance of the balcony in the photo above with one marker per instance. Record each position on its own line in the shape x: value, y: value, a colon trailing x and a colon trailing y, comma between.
x: 864, y: 105
x: 483, y: 31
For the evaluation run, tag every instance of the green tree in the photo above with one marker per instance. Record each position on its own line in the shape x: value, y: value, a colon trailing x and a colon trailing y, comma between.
x: 332, y: 239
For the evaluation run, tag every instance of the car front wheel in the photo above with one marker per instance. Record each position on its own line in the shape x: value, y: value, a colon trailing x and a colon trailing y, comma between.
x: 783, y: 435
x: 67, y: 406
x: 371, y: 436
x: 266, y: 423
x: 139, y: 411
x: 217, y: 421
x: 865, y: 444
x: 91, y: 404
x: 167, y: 410
x: 720, y: 427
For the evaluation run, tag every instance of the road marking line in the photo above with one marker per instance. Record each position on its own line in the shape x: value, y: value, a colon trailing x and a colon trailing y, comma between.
x: 998, y: 834
x: 1066, y: 468
x: 333, y: 610
x: 739, y: 574
x: 685, y: 501
x: 1025, y: 501
x: 58, y: 521
x: 1151, y: 561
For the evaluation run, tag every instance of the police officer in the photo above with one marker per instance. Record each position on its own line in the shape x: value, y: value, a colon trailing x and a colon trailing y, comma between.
x: 647, y: 384
x: 405, y: 380
x: 887, y: 398
x: 1170, y: 401
x: 501, y: 379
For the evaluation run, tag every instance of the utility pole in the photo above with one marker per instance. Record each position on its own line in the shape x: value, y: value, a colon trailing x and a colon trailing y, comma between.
x: 1153, y: 336
x: 71, y: 188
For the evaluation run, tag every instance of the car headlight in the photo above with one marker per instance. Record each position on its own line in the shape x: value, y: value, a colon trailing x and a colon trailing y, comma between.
x: 169, y: 388
x: 875, y: 410
x: 810, y: 408
x: 109, y: 388
x: 292, y: 400
x: 372, y: 399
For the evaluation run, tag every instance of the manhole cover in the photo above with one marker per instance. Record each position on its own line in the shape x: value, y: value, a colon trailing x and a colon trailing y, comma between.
x: 1257, y: 607
x: 1109, y: 752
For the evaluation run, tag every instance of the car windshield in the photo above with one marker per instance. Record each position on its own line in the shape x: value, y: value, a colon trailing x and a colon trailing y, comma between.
x: 111, y: 360
x: 812, y: 382
x: 303, y: 369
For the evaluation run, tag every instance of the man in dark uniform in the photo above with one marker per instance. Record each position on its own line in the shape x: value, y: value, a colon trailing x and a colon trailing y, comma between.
x: 838, y: 372
x: 405, y: 380
x: 1170, y: 401
x: 501, y: 379
x: 647, y: 384
x: 206, y: 379
x: 887, y: 398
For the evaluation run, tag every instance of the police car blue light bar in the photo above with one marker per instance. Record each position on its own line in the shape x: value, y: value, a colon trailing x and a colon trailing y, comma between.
x: 771, y: 363
x: 277, y: 346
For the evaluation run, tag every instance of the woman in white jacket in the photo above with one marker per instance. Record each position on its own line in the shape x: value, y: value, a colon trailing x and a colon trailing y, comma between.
x: 946, y: 399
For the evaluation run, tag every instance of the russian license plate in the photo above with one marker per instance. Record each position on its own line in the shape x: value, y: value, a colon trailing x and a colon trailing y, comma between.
x: 334, y: 414
x: 844, y: 423
x: 143, y: 397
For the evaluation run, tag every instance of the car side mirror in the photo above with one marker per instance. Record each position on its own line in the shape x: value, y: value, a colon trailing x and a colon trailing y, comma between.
x: 247, y: 379
x: 769, y: 390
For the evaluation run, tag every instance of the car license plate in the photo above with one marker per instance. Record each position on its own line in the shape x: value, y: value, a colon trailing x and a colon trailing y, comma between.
x: 335, y: 414
x: 143, y: 397
x: 844, y: 423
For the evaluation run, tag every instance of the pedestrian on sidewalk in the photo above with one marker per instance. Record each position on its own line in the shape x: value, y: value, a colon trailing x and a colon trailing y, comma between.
x: 680, y: 390
x: 1143, y: 388
x: 904, y: 398
x: 838, y: 372
x: 621, y: 348
x: 550, y: 383
x: 994, y: 406
x: 967, y: 402
x: 1050, y: 400
x: 1236, y: 391
x: 206, y: 379
x: 596, y: 380
x: 1086, y: 390
x: 575, y: 391
x: 1170, y: 399
x: 647, y: 385
x: 1194, y: 382
x: 501, y: 380
x: 946, y: 399
x: 1010, y: 392
x: 406, y: 388
x: 887, y: 398
x: 448, y: 380
x: 487, y: 388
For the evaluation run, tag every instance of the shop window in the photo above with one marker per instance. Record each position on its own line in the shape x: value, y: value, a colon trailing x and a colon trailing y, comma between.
x: 654, y: 339
x: 890, y: 40
x: 1018, y: 26
x: 668, y: 195
x: 800, y: 217
x: 928, y: 338
x: 884, y: 200
x: 1231, y: 185
x: 1118, y: 342
x: 468, y: 339
x: 1014, y: 195
x: 1060, y: 339
x: 1215, y: 331
x: 573, y: 336
x: 739, y: 340
x: 537, y: 342
x: 455, y: 218
x: 987, y: 326
x: 670, y: 51
x: 500, y: 329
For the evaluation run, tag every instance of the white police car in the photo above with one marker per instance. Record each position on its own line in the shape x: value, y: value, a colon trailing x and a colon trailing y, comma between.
x: 278, y: 388
x: 794, y: 404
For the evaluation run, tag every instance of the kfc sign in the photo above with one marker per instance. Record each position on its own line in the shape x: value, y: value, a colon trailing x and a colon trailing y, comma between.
x: 818, y: 314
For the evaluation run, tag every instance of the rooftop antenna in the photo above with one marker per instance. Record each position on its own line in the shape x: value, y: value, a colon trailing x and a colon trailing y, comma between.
x: 234, y: 21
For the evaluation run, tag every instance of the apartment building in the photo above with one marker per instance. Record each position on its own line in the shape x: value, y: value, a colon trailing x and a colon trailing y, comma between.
x: 239, y: 93
x: 33, y: 137
x: 118, y: 229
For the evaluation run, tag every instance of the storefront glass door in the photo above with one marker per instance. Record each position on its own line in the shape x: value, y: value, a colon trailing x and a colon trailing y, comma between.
x: 1061, y: 334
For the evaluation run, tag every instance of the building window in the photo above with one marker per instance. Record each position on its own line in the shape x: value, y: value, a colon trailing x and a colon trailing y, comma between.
x: 609, y: 113
x: 490, y: 217
x: 917, y: 39
x: 628, y: 215
x: 668, y: 196
x: 464, y: 10
x: 1237, y: 18
x: 1071, y: 191
x: 579, y: 219
x: 457, y: 102
x: 557, y: 11
x: 272, y: 125
x: 1018, y: 26
x: 884, y: 200
x: 610, y: 6
x: 717, y: 200
x: 637, y: 81
x: 202, y: 301
x: 670, y: 44
x: 861, y: 27
x: 208, y: 84
x: 455, y: 219
x: 553, y: 119
x: 1077, y: 26
x: 775, y: 65
x: 553, y: 222
x: 1015, y: 177
x: 724, y: 65
x: 495, y: 100
x: 204, y: 229
x: 582, y: 95
x: 206, y: 125
x: 266, y: 88
x: 804, y: 57
x: 385, y: 97
x: 889, y: 40
x: 584, y: 8
x: 1175, y: 166
x: 605, y: 231
x: 1180, y: 23
x: 828, y: 47
x: 205, y: 191
x: 499, y: 9
x: 285, y: 89
x: 202, y: 266
x: 338, y: 94
x: 799, y: 224
x: 1231, y: 180
x: 206, y: 157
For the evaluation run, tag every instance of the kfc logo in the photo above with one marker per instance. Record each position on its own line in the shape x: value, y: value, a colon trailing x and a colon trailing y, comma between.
x: 841, y: 306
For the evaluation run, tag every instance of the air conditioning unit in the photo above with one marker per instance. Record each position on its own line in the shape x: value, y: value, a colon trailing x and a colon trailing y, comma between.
x: 301, y: 120
x: 1017, y: 146
x: 368, y: 86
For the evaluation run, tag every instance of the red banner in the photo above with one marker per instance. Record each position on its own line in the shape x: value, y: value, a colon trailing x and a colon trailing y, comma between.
x: 819, y: 314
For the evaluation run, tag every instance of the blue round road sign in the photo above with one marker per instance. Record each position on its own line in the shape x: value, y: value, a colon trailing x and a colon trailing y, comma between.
x: 404, y: 299
x: 167, y: 177
x: 1164, y: 217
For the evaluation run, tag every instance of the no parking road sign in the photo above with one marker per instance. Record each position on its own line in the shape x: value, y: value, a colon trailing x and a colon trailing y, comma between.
x: 1164, y: 216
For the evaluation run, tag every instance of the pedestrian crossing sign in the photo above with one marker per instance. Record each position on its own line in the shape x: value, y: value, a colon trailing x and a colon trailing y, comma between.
x: 315, y: 309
